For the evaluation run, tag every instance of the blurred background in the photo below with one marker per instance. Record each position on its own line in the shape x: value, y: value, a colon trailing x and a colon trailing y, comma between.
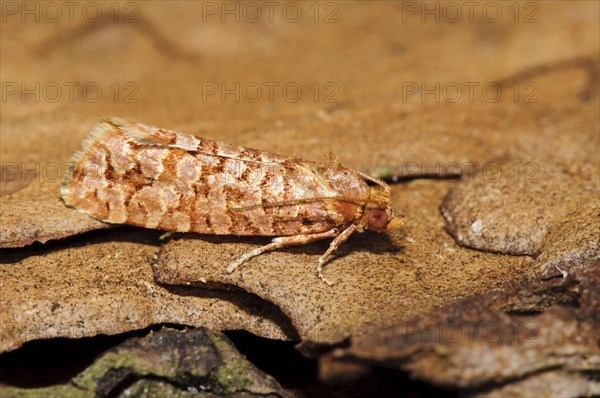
x: 398, y: 89
x: 287, y: 76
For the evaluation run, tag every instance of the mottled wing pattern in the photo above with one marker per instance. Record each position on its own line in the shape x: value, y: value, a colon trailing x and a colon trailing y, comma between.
x: 130, y: 173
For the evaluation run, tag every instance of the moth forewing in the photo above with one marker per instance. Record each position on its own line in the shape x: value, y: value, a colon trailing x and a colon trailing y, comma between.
x: 131, y: 173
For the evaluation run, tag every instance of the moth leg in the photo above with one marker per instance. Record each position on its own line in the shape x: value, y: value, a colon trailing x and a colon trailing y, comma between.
x: 337, y: 242
x: 279, y: 243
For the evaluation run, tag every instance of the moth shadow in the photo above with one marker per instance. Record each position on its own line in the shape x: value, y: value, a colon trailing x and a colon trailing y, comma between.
x: 368, y: 241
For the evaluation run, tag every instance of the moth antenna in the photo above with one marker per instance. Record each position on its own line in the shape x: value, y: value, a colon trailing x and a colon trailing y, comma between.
x: 377, y: 181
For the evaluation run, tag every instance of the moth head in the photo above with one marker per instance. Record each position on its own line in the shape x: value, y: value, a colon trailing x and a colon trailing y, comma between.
x: 378, y: 214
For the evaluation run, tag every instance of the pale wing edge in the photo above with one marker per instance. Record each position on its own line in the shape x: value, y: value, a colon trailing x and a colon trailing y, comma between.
x: 143, y: 135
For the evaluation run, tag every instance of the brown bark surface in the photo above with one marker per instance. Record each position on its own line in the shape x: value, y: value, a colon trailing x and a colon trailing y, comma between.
x: 507, y: 108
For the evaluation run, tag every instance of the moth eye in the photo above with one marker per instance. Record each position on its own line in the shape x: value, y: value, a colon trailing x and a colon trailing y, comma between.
x: 378, y: 220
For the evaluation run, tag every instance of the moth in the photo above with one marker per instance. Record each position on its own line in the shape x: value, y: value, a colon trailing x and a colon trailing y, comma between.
x: 132, y: 173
